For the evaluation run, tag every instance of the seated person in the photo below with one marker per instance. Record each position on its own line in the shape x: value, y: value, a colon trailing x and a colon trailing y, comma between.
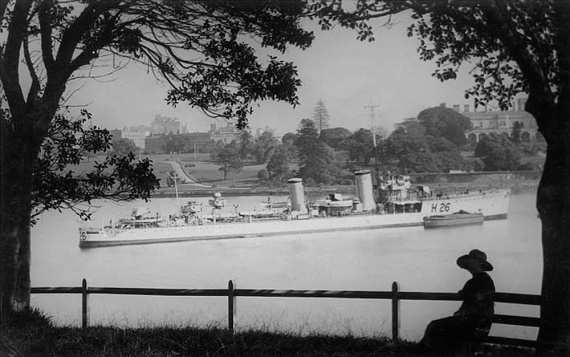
x: 455, y: 335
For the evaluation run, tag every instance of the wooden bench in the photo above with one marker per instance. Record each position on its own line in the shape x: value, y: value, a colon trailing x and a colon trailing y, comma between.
x: 521, y: 299
x: 514, y: 321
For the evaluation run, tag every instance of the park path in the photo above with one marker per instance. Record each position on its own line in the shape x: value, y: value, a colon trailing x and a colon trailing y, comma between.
x: 184, y: 177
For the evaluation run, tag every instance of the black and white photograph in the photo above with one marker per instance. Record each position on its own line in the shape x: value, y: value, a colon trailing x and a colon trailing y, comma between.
x: 285, y: 178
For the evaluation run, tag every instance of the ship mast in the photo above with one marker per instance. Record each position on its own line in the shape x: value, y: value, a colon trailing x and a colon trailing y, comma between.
x: 174, y: 178
x: 373, y: 129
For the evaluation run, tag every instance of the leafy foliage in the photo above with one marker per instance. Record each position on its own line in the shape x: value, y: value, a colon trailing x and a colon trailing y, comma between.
x: 122, y: 147
x: 201, y: 49
x: 419, y: 162
x: 321, y: 115
x: 244, y: 142
x: 263, y: 175
x: 289, y: 138
x: 498, y: 153
x: 316, y: 159
x: 204, y: 50
x: 174, y: 143
x: 278, y: 166
x: 228, y: 157
x: 264, y: 147
x: 360, y: 146
x: 418, y: 152
x: 119, y: 177
x: 445, y: 122
x: 407, y: 138
x: 497, y: 78
x: 333, y: 137
x: 516, y: 132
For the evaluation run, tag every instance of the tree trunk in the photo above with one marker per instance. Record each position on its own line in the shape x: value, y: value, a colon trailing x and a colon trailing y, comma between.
x: 553, y: 203
x: 18, y: 157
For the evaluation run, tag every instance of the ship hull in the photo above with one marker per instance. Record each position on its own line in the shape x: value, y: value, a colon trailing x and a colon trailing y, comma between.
x: 493, y: 205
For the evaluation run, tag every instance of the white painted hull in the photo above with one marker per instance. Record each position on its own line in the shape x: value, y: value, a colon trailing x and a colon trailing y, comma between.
x: 493, y: 205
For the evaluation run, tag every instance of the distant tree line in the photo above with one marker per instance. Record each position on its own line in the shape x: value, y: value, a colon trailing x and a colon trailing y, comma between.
x: 435, y: 141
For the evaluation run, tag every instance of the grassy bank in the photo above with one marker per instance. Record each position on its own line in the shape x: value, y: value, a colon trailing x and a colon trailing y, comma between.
x: 33, y: 335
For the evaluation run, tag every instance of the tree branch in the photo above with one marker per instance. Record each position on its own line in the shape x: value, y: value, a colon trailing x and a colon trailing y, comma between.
x: 35, y: 86
x: 78, y: 28
x: 562, y: 47
x: 10, y: 56
x: 3, y: 6
x: 45, y: 34
x: 540, y: 92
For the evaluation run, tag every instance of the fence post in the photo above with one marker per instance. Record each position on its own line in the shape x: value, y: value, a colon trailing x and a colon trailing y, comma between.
x: 395, y: 311
x: 84, y: 307
x: 231, y: 306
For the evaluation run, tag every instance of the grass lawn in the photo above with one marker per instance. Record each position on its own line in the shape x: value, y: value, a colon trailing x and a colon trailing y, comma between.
x: 201, y: 168
x: 33, y: 335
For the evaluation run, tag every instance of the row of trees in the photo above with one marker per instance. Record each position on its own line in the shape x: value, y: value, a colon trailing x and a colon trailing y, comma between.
x: 434, y: 142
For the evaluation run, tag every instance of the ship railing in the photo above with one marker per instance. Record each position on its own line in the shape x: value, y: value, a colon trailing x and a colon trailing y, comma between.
x: 395, y: 295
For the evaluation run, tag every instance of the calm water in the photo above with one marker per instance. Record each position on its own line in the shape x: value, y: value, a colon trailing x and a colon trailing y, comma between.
x: 418, y: 259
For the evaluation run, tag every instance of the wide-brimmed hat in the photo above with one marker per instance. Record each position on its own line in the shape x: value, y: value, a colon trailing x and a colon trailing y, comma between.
x: 476, y: 255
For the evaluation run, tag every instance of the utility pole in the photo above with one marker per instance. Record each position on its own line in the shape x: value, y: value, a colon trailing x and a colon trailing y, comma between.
x: 372, y: 107
x: 377, y: 168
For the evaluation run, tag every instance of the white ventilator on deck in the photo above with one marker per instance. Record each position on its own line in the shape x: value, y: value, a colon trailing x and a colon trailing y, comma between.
x: 297, y: 195
x: 364, y: 189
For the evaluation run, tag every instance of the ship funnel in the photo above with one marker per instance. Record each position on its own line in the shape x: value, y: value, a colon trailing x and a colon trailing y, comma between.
x: 297, y: 195
x: 364, y: 189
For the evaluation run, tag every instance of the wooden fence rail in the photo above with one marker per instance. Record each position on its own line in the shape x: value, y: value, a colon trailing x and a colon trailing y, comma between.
x: 395, y: 295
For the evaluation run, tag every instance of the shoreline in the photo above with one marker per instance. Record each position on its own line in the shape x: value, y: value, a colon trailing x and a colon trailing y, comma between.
x: 167, y: 192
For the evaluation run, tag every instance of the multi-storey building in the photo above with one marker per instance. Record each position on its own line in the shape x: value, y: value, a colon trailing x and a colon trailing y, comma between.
x: 501, y: 123
x: 225, y: 134
x: 137, y: 136
x: 199, y: 142
x: 166, y: 125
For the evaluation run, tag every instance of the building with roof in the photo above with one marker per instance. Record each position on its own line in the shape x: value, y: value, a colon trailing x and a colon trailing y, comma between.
x: 166, y: 125
x: 501, y: 123
x: 136, y: 134
x: 224, y: 134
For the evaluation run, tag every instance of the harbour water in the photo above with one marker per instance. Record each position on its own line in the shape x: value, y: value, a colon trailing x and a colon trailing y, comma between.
x: 418, y: 259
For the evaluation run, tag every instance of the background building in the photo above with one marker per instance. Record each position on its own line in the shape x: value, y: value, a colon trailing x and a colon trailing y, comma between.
x: 501, y: 123
x: 137, y: 135
x: 166, y: 125
x: 225, y: 134
x: 153, y: 139
x: 198, y: 141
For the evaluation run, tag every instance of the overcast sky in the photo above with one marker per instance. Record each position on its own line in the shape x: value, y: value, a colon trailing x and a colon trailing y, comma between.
x: 346, y: 74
